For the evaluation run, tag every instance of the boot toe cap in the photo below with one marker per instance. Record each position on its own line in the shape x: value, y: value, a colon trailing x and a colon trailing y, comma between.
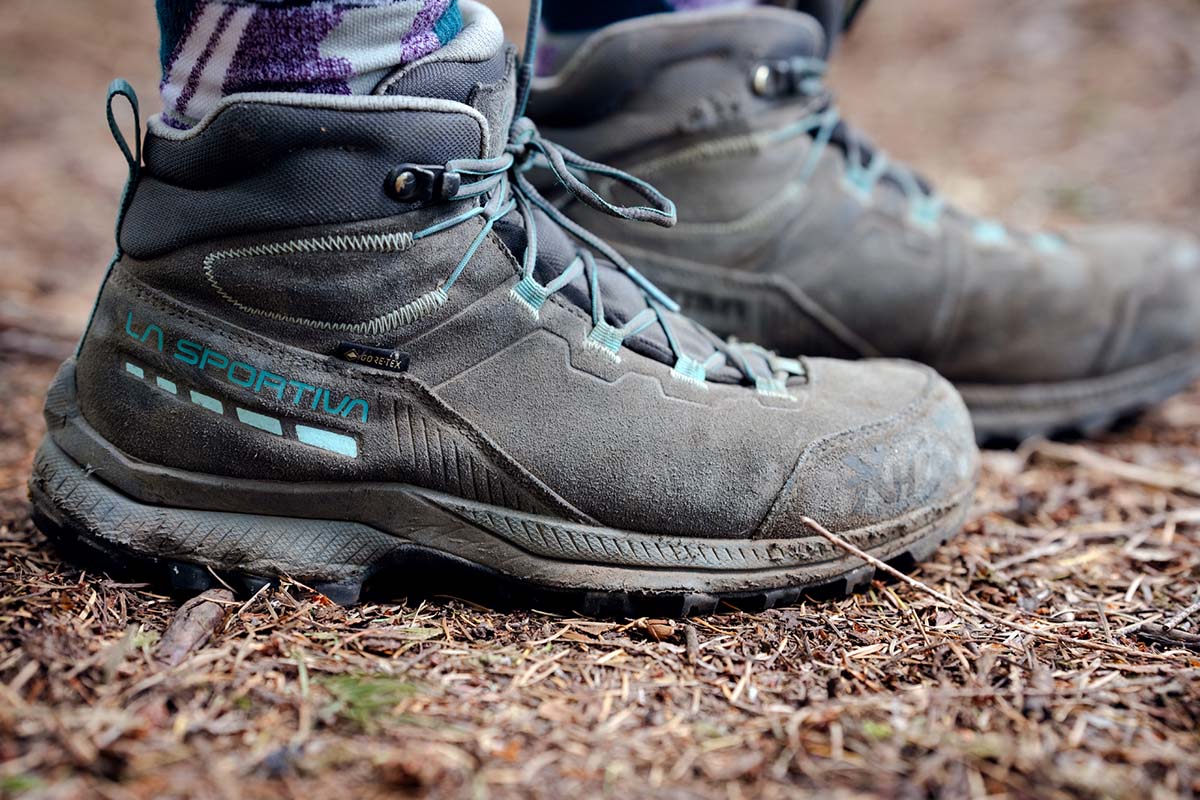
x: 1158, y: 312
x: 910, y: 458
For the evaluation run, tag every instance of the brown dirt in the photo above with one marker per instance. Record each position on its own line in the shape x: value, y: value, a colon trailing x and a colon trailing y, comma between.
x: 1027, y: 677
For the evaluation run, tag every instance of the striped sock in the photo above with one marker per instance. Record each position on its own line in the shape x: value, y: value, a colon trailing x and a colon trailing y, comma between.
x: 573, y: 16
x: 214, y: 48
x: 566, y: 23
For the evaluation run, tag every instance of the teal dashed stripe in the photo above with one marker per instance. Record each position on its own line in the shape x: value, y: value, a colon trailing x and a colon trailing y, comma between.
x: 260, y: 421
x: 211, y: 403
x: 328, y: 440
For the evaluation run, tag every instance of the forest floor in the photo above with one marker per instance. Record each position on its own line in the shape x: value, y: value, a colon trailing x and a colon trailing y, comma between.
x: 1051, y: 650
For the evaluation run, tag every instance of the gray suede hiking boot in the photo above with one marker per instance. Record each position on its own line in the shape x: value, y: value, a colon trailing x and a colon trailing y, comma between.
x: 796, y: 233
x: 333, y: 348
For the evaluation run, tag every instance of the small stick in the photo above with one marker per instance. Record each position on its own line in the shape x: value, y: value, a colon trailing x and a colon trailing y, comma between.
x: 1169, y: 624
x: 1169, y: 480
x: 1162, y: 635
x: 969, y: 608
x: 193, y: 625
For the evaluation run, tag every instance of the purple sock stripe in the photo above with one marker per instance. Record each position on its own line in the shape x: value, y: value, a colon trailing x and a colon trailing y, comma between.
x: 343, y: 4
x: 174, y: 122
x: 235, y: 46
x: 421, y: 40
x: 281, y: 51
x: 193, y: 81
x: 700, y: 5
x: 188, y: 30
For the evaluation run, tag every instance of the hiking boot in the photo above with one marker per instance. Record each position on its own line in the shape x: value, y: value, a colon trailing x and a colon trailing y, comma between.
x: 332, y: 348
x: 797, y: 233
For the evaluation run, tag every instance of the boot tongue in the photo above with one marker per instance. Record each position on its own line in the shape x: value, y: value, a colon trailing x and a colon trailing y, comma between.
x: 476, y: 68
x: 830, y: 13
x: 459, y: 81
x: 623, y: 300
x: 467, y: 71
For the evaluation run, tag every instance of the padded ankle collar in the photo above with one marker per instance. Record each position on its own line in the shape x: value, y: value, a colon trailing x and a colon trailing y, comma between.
x: 270, y: 161
x: 620, y: 61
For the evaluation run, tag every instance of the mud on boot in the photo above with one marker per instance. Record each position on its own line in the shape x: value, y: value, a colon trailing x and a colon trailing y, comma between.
x: 347, y: 342
x: 797, y: 233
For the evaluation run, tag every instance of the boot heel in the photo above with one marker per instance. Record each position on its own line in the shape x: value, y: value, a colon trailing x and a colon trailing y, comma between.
x: 191, y: 550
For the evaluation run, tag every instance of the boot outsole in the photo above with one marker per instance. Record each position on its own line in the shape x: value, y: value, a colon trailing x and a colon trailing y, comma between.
x: 1007, y: 415
x: 101, y: 529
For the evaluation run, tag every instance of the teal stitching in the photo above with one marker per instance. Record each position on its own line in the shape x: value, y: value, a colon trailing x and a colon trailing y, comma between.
x: 369, y: 243
x: 856, y: 183
x: 531, y: 293
x: 1049, y: 242
x: 534, y: 295
x: 925, y: 212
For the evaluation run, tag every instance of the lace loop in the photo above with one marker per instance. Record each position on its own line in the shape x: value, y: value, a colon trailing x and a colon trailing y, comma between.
x: 499, y: 186
x: 866, y: 166
x: 527, y: 144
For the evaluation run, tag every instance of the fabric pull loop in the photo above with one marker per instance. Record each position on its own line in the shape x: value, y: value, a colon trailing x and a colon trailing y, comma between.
x: 133, y: 155
x: 121, y: 88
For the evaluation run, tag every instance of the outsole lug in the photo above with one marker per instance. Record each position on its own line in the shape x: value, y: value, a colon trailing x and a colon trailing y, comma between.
x: 344, y: 593
x: 186, y: 578
x: 695, y: 604
x: 253, y: 584
x: 417, y: 572
x: 500, y: 592
x: 1007, y: 416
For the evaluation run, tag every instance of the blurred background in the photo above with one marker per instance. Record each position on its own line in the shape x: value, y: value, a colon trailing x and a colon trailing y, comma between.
x: 1031, y: 111
x: 1027, y: 110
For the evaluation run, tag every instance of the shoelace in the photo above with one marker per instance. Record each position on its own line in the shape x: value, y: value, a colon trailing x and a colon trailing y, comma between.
x: 501, y: 180
x: 501, y: 183
x: 865, y: 167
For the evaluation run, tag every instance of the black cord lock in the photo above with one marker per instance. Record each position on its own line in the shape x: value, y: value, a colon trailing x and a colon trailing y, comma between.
x: 414, y: 183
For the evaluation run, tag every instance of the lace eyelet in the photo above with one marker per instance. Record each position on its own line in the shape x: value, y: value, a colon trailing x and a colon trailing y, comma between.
x: 762, y: 82
x: 857, y: 189
x: 773, y: 387
x: 530, y: 294
x: 990, y: 234
x: 606, y: 340
x: 691, y: 371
